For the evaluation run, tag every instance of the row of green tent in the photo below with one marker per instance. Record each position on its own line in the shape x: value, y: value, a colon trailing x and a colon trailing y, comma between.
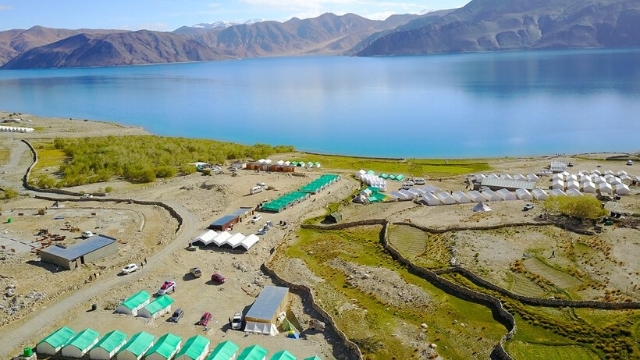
x: 287, y: 200
x: 320, y: 183
x: 303, y: 164
x: 398, y: 177
x: 114, y: 344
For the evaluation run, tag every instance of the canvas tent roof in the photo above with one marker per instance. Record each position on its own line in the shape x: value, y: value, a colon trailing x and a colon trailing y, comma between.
x: 224, y: 351
x: 491, y: 195
x: 194, y: 347
x: 267, y: 303
x: 221, y: 238
x: 137, y: 299
x: 283, y: 355
x: 461, y: 197
x: 523, y: 194
x: 573, y: 192
x: 253, y: 352
x: 84, y: 339
x: 235, y: 240
x: 481, y: 207
x: 446, y: 198
x: 622, y: 189
x: 430, y: 199
x: 166, y: 346
x: 59, y: 338
x: 138, y: 344
x: 556, y: 192
x: 539, y: 194
x: 206, y: 238
x: 158, y: 304
x: 249, y: 241
x: 112, y: 341
x: 476, y: 196
x: 506, y: 194
x: 87, y: 246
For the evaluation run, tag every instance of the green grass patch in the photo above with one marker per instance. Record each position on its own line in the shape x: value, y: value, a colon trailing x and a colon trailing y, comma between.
x: 48, y: 156
x: 408, y: 167
x: 4, y: 154
x: 371, y: 329
x: 522, y: 351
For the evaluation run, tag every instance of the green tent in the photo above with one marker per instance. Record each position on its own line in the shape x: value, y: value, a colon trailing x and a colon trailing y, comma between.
x: 399, y: 177
x: 55, y: 341
x: 371, y: 172
x: 194, y: 348
x: 384, y: 176
x: 392, y: 177
x: 81, y: 342
x: 313, y: 358
x: 110, y: 343
x: 159, y: 304
x: 283, y: 355
x: 224, y: 351
x: 138, y: 344
x: 253, y: 352
x: 135, y: 302
x: 166, y: 346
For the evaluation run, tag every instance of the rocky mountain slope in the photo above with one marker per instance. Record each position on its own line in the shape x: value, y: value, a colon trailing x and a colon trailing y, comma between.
x: 494, y: 25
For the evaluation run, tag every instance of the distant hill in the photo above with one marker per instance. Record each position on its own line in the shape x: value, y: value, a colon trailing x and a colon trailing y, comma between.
x: 494, y: 25
x: 124, y: 48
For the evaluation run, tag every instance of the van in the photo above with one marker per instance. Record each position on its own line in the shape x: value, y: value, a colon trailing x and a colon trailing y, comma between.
x: 407, y: 185
x: 419, y: 181
x: 256, y: 189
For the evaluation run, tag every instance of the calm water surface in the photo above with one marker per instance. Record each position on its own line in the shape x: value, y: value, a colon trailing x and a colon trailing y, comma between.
x: 468, y: 105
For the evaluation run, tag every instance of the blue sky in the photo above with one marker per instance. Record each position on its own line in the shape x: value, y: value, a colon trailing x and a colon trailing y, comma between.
x: 168, y: 15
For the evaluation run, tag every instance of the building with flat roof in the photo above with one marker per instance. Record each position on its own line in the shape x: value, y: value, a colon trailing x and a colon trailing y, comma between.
x: 263, y: 315
x: 226, y: 222
x: 511, y: 185
x: 91, y: 249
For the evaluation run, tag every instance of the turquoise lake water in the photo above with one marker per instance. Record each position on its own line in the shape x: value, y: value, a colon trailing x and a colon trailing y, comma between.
x: 463, y: 105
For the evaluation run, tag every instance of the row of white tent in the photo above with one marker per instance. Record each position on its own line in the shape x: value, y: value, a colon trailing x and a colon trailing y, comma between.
x: 374, y: 181
x: 518, y: 177
x: 15, y: 129
x: 226, y: 238
x: 287, y: 163
x: 589, y: 186
x: 611, y: 179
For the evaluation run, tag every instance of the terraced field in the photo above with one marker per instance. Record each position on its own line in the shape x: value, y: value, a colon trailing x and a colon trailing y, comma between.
x: 523, y: 350
x: 559, y: 278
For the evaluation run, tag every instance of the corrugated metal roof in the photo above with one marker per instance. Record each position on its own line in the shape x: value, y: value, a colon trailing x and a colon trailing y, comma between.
x: 267, y: 303
x: 223, y: 220
x: 241, y: 211
x: 87, y: 246
x: 508, y: 184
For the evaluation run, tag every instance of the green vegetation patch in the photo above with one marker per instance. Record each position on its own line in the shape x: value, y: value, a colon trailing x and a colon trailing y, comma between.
x: 138, y: 158
x: 521, y: 351
x: 373, y: 317
x: 4, y: 154
x: 408, y: 167
x: 582, y: 207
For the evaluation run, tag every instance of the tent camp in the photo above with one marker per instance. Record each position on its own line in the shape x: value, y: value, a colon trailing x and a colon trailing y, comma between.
x: 80, y: 344
x: 615, y: 181
x: 557, y: 184
x: 165, y: 348
x: 282, y: 355
x: 461, y: 197
x: 157, y: 308
x: 588, y: 187
x: 446, y: 198
x: 573, y: 184
x: 491, y: 195
x: 196, y: 348
x: 622, y: 189
x: 539, y: 194
x: 205, y: 239
x: 605, y: 188
x: 136, y: 347
x: 573, y: 192
x: 523, y: 194
x: 253, y: 352
x: 263, y: 315
x: 430, y: 199
x: 481, y: 207
x: 108, y: 346
x: 134, y: 303
x: 54, y: 342
x: 506, y: 194
x: 226, y: 350
x: 556, y: 192
x: 476, y: 196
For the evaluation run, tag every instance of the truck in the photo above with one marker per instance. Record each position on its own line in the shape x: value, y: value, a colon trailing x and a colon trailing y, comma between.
x: 236, y: 321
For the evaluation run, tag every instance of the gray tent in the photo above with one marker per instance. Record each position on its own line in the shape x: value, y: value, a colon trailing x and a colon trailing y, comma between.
x: 481, y: 207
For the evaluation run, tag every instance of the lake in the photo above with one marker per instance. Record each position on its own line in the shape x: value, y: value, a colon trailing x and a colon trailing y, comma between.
x: 462, y: 105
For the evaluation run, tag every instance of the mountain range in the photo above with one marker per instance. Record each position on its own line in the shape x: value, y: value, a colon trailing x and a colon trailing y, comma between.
x: 481, y: 25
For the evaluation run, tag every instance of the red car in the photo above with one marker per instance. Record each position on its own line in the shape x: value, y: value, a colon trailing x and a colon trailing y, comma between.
x: 217, y: 278
x: 204, y: 320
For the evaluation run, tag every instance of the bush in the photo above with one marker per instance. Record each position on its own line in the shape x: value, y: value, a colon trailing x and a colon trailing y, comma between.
x: 582, y: 207
x: 10, y: 193
x: 108, y: 189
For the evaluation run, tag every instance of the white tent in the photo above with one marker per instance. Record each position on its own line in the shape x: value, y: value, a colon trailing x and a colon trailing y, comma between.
x: 573, y: 184
x: 287, y: 163
x: 558, y: 176
x: 588, y: 187
x: 506, y: 194
x: 557, y: 184
x: 571, y: 177
x: 493, y: 176
x: 615, y: 181
x: 519, y: 177
x: 206, y: 238
x: 429, y: 188
x: 398, y: 195
x: 481, y: 207
x: 221, y: 238
x: 360, y: 173
x: 476, y: 197
x: 414, y: 192
x: 584, y: 178
x: 430, y: 199
x: 249, y: 241
x: 506, y: 177
x: 461, y: 197
x: 573, y: 192
x: 556, y: 192
x: 622, y: 173
x: 605, y: 188
x: 446, y: 198
x: 235, y: 240
x: 480, y: 177
x: 596, y: 172
x: 491, y: 195
x: 584, y: 172
x: 625, y: 178
x: 524, y: 194
x: 599, y: 179
x: 622, y: 189
x: 280, y: 162
x: 539, y: 194
x: 533, y: 178
x: 408, y: 194
x: 608, y: 172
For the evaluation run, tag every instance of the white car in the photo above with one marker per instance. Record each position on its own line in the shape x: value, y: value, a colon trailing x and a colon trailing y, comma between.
x: 528, y: 206
x: 129, y: 269
x: 256, y: 218
x: 87, y: 234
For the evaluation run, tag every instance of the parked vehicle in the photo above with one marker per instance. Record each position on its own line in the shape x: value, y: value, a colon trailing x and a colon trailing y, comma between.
x: 177, y: 315
x: 236, y: 321
x: 129, y: 269
x: 256, y: 218
x: 629, y: 162
x: 528, y: 206
x: 196, y: 272
x: 218, y: 279
x: 255, y: 190
x: 419, y: 181
x: 167, y: 287
x: 204, y: 320
x: 87, y: 234
x: 407, y: 185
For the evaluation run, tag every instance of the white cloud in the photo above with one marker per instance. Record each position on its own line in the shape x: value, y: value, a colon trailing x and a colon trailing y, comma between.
x: 5, y: 7
x: 154, y: 27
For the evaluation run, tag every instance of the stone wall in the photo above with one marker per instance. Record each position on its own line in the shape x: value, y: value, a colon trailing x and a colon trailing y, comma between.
x: 25, y: 178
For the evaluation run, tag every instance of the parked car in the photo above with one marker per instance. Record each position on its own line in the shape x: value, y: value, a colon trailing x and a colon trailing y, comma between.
x: 218, y: 279
x: 528, y: 206
x: 129, y: 269
x: 256, y: 218
x: 87, y: 234
x: 196, y: 272
x: 204, y: 320
x: 629, y: 162
x: 177, y: 315
x: 167, y: 287
x: 236, y: 321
